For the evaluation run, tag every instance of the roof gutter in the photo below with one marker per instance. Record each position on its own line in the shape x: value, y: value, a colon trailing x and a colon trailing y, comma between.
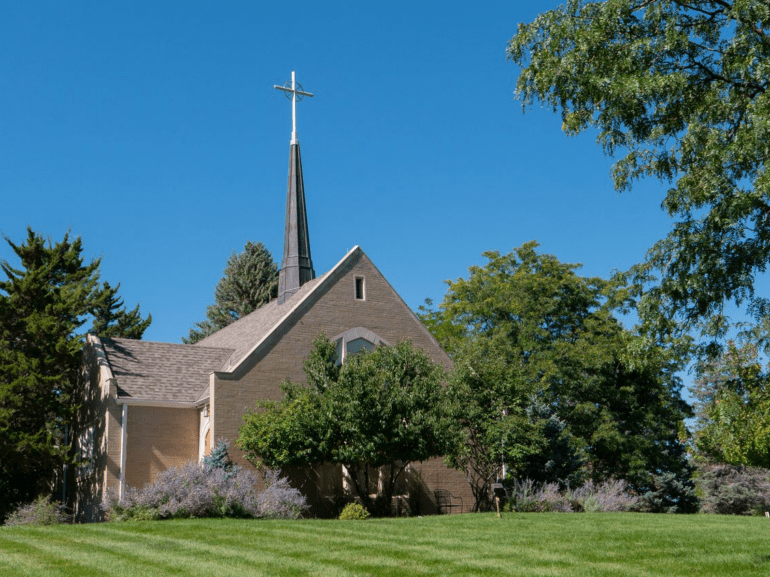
x: 161, y: 403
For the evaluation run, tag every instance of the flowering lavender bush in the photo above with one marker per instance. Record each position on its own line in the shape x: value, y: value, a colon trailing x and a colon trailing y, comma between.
x: 552, y: 499
x: 279, y: 500
x: 527, y: 496
x: 608, y: 497
x: 42, y: 511
x: 194, y: 490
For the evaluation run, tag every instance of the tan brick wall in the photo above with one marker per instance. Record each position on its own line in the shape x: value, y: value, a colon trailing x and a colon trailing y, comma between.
x: 432, y: 475
x: 336, y: 311
x: 159, y: 438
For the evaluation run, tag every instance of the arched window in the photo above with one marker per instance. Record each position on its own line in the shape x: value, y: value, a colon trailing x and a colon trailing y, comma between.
x: 356, y: 340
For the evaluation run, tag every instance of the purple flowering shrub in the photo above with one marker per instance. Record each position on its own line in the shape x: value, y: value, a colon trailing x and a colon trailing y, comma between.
x: 279, y: 500
x: 609, y: 497
x: 194, y: 490
x: 529, y: 497
x: 43, y: 511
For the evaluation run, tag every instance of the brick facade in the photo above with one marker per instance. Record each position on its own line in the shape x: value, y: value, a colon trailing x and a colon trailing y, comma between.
x: 159, y: 438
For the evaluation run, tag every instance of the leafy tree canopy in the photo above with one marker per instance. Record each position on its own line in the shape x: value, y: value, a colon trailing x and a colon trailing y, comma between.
x: 733, y: 408
x: 380, y: 410
x: 677, y: 89
x: 250, y: 280
x: 546, y: 378
x: 499, y: 422
x: 43, y: 303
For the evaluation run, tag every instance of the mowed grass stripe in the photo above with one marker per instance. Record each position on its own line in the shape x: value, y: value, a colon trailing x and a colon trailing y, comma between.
x: 520, y: 544
x: 361, y: 542
x: 268, y: 541
x: 425, y: 554
x: 109, y: 556
x: 607, y: 544
x: 21, y: 559
x: 191, y: 556
x: 535, y: 554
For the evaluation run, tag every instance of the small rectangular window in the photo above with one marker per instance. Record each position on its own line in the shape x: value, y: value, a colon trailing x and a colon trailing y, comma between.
x: 360, y: 288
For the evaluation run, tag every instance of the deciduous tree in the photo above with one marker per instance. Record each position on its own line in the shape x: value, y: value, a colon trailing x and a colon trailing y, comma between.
x: 375, y: 414
x: 541, y: 363
x: 678, y: 90
x: 733, y: 408
x: 499, y: 422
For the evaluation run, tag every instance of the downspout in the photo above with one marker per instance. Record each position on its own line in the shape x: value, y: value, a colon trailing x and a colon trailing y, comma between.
x: 123, y: 439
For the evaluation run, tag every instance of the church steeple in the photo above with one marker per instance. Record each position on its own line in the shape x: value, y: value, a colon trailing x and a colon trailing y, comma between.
x: 297, y: 265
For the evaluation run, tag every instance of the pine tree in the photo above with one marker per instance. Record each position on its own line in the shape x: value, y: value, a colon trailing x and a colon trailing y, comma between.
x: 250, y: 280
x: 111, y: 318
x: 43, y: 303
x: 219, y: 458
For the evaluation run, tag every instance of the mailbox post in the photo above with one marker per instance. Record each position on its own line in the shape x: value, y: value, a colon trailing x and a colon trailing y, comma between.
x: 499, y: 491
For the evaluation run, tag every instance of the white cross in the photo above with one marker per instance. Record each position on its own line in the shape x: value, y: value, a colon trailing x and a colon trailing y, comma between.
x: 295, y: 89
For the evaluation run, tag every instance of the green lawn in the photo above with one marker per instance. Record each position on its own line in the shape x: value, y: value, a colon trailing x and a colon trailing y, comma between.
x: 474, y: 544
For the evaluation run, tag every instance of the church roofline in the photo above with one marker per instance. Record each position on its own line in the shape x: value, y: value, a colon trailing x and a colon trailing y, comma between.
x: 148, y: 372
x: 300, y: 303
x: 298, y: 308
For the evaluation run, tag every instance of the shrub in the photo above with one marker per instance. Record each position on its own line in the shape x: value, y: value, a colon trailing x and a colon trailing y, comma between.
x: 522, y: 497
x: 194, y: 490
x: 354, y: 512
x: 219, y: 458
x: 610, y: 496
x: 551, y: 499
x: 669, y: 493
x: 279, y: 500
x: 42, y: 511
x: 735, y: 490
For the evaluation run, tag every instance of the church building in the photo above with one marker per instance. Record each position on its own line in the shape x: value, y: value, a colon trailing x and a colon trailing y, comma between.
x: 148, y: 406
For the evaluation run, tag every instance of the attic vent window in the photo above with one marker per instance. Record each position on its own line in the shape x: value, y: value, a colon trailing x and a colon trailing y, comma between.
x: 360, y: 294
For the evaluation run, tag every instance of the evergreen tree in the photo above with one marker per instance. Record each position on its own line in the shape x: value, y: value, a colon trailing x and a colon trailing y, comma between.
x: 219, y: 458
x: 250, y: 280
x: 111, y: 318
x: 43, y: 303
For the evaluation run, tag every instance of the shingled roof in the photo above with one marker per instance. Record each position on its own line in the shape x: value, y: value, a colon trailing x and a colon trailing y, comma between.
x: 162, y: 371
x: 246, y: 332
x: 169, y: 372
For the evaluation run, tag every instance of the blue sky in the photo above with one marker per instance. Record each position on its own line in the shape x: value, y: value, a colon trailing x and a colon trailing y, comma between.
x: 152, y: 130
